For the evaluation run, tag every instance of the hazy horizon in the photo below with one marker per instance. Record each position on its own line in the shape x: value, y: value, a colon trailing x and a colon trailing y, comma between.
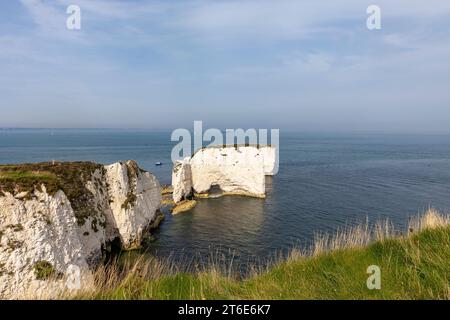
x: 297, y: 65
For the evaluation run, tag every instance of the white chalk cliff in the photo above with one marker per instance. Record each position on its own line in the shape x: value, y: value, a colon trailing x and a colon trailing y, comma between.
x: 270, y: 159
x: 182, y: 178
x: 237, y: 170
x: 135, y: 196
x: 50, y: 240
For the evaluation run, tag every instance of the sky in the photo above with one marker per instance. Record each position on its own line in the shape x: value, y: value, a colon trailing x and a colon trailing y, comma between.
x: 287, y: 64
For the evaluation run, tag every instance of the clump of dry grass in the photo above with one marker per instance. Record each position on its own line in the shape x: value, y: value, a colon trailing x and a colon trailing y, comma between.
x: 357, y: 236
x: 362, y: 235
x: 123, y: 274
x: 430, y: 220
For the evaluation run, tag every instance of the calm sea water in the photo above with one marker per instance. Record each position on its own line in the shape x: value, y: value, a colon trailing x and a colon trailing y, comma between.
x: 325, y: 182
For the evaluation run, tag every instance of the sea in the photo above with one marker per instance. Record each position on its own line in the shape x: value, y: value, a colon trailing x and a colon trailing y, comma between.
x: 326, y: 182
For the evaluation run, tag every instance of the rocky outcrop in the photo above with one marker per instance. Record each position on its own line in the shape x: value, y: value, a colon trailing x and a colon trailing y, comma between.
x: 135, y: 196
x: 237, y: 170
x: 40, y: 239
x: 57, y: 220
x: 182, y: 179
x: 183, y: 206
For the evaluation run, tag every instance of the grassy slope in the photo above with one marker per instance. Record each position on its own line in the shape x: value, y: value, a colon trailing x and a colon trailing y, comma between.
x: 414, y: 267
x: 69, y: 177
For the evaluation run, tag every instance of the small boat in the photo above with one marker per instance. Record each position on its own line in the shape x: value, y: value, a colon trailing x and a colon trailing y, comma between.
x: 158, y: 163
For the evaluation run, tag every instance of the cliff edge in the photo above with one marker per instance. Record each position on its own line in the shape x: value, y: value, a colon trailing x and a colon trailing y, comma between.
x: 57, y: 220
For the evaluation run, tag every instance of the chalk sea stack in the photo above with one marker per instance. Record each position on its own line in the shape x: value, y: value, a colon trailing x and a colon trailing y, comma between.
x: 234, y: 170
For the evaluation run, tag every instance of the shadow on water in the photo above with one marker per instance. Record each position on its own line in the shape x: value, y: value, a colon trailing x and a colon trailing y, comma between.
x: 231, y: 224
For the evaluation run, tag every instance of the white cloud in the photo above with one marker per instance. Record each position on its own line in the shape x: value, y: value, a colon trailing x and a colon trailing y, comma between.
x: 311, y: 63
x: 238, y: 53
x: 114, y: 9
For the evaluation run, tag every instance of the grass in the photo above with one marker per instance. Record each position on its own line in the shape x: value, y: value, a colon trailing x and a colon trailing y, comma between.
x: 43, y: 270
x: 20, y: 175
x: 67, y: 176
x: 15, y: 181
x: 414, y: 265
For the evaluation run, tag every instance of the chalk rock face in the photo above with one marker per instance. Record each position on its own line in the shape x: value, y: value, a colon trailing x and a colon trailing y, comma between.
x: 51, y: 239
x: 94, y: 218
x: 181, y: 180
x: 39, y: 239
x: 270, y: 159
x: 135, y: 197
x: 238, y: 170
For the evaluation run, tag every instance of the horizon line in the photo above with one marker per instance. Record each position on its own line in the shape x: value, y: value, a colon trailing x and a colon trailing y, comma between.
x: 291, y: 130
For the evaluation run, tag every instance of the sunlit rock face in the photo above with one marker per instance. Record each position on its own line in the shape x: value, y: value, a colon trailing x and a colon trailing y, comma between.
x: 50, y: 239
x: 270, y: 159
x: 181, y: 180
x: 237, y: 170
x: 40, y: 238
x: 135, y: 196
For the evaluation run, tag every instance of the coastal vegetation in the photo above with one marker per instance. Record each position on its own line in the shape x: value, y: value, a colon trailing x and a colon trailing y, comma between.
x: 414, y: 264
x: 67, y: 176
x: 43, y: 270
x: 70, y: 177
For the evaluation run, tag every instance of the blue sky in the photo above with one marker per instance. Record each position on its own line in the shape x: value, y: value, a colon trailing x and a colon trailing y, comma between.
x: 304, y: 64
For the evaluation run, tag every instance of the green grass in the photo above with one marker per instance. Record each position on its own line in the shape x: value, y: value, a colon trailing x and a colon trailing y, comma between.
x: 70, y: 177
x: 416, y: 266
x: 43, y: 270
x: 67, y: 176
x: 25, y: 175
x: 24, y: 180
